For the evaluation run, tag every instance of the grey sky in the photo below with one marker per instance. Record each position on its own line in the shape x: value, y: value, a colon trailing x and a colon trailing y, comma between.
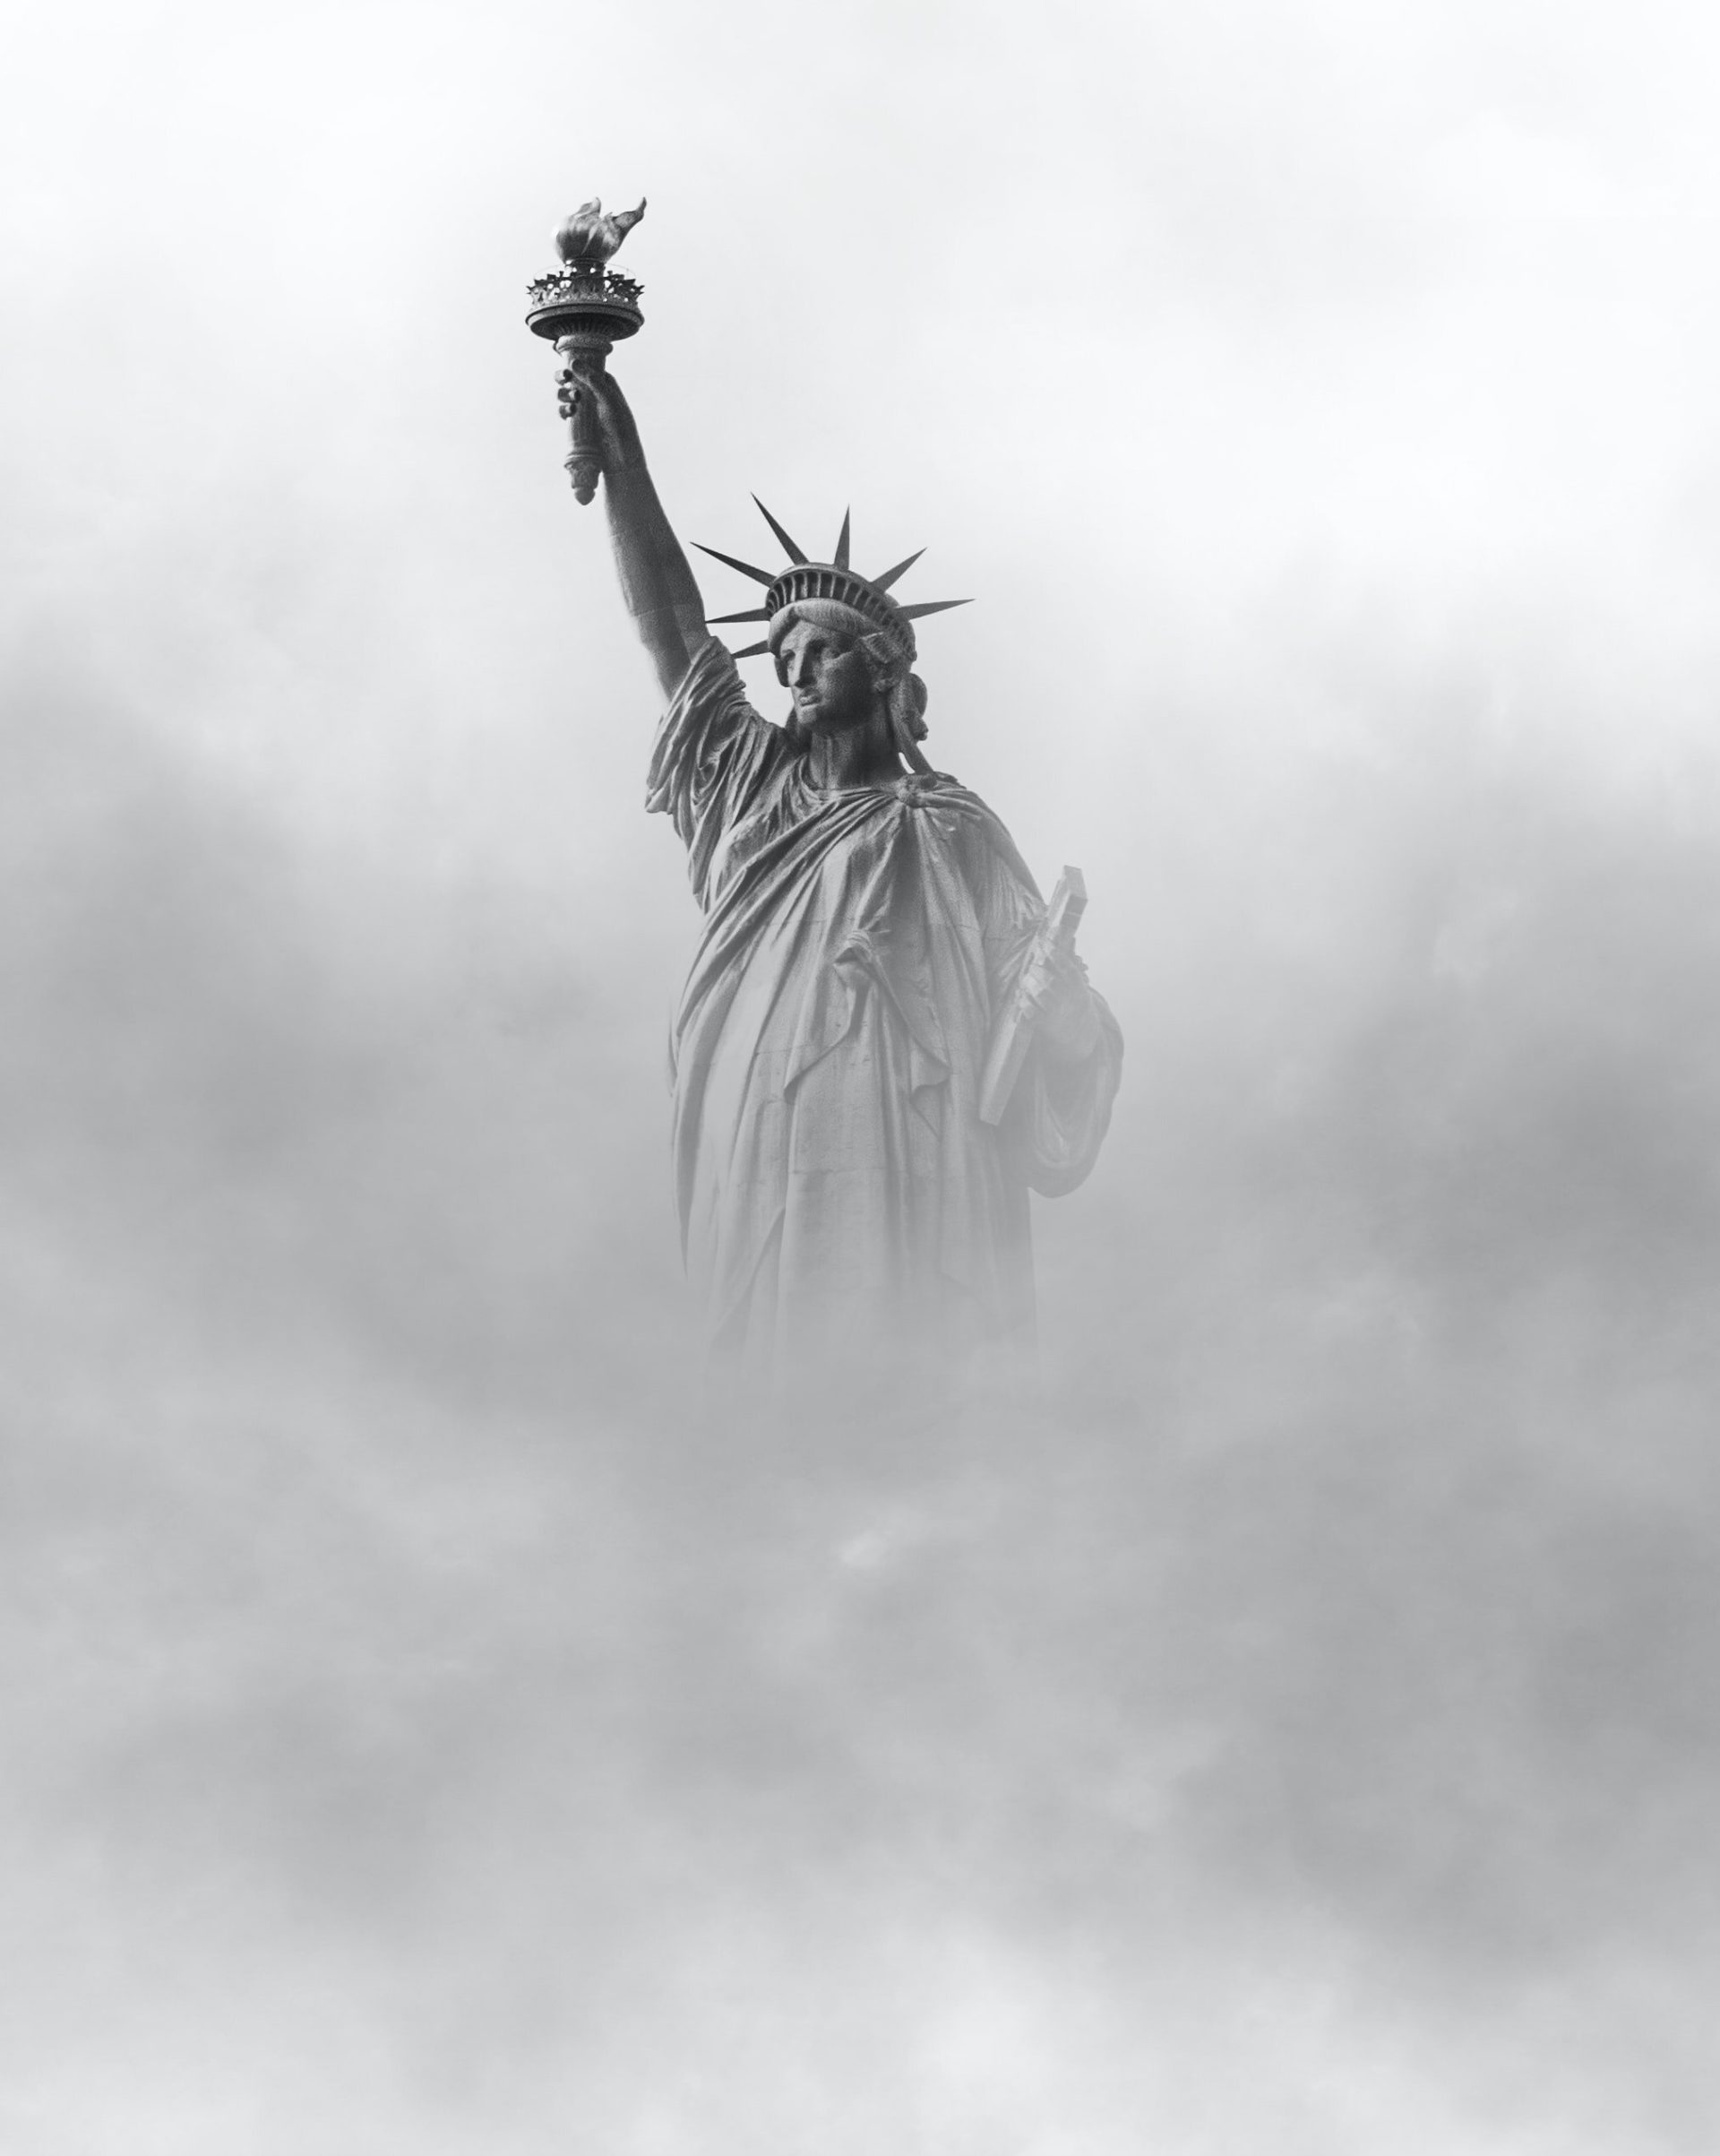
x: 422, y: 1733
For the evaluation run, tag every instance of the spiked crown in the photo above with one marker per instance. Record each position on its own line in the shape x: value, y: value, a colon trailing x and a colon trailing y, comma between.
x: 868, y: 596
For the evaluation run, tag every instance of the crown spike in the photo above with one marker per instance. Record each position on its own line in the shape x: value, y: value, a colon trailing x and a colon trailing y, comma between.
x: 934, y: 605
x: 752, y: 613
x: 758, y: 576
x: 788, y: 546
x: 750, y: 652
x: 883, y: 583
x: 841, y: 557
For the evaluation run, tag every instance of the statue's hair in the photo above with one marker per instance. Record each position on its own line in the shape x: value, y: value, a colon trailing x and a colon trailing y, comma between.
x: 903, y: 691
x: 890, y: 666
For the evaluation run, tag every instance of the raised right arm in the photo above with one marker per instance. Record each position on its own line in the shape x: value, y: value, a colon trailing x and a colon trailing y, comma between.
x: 657, y: 581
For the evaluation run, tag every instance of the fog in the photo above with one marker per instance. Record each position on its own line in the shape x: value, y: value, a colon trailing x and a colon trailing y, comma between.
x: 427, y: 1730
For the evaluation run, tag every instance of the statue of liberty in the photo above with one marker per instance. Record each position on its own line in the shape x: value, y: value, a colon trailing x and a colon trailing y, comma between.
x: 874, y: 956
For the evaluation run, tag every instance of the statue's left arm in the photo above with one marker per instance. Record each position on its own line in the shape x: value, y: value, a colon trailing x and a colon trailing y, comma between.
x: 1061, y: 1105
x: 1067, y: 1012
x: 1059, y: 1108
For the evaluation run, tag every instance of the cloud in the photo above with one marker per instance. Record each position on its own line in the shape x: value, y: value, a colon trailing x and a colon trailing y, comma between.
x: 428, y: 1730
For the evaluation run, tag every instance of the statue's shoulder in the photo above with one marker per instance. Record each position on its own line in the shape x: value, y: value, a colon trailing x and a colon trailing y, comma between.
x: 968, y: 818
x: 711, y: 677
x: 710, y: 709
x: 937, y: 788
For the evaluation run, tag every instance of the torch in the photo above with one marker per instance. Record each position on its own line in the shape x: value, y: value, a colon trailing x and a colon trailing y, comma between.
x: 584, y: 308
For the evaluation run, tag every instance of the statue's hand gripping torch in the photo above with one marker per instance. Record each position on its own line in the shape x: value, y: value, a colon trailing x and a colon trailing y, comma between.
x: 585, y: 308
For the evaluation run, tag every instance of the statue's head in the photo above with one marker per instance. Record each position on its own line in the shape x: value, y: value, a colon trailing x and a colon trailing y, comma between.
x: 833, y: 625
x: 844, y: 671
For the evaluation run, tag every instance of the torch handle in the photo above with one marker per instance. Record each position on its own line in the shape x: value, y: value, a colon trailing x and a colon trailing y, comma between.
x: 584, y: 459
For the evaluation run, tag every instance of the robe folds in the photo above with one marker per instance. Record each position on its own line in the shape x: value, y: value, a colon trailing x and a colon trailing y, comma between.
x: 839, y: 1195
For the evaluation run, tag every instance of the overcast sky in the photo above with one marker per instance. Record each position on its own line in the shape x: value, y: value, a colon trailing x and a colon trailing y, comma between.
x: 422, y: 1733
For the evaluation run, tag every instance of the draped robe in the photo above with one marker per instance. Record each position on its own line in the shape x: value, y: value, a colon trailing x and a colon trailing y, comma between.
x: 838, y: 1196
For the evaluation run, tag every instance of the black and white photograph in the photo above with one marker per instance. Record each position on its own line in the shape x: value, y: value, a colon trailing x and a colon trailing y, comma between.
x: 860, y: 1079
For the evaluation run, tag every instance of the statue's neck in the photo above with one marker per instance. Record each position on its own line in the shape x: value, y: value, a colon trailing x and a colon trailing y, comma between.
x: 859, y: 755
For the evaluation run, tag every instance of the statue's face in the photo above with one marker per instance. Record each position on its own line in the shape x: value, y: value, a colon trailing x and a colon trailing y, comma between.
x: 830, y: 675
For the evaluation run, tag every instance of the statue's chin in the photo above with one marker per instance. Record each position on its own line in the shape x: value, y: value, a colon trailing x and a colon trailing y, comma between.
x: 830, y: 723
